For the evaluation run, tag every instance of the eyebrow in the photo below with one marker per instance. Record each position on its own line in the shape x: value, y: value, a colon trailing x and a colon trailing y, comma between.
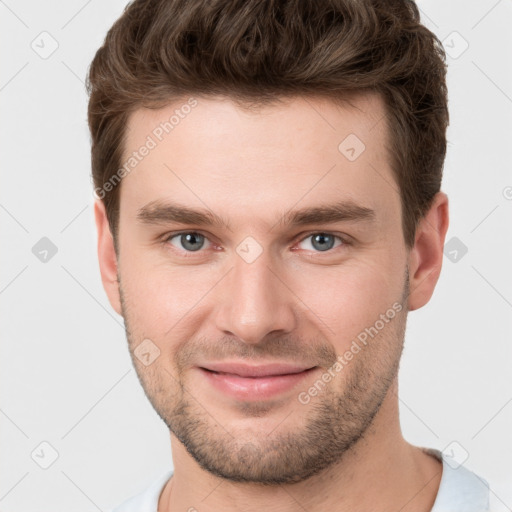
x: 329, y: 213
x: 158, y: 212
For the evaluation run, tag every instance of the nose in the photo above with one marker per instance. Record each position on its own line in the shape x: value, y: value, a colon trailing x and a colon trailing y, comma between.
x: 255, y: 301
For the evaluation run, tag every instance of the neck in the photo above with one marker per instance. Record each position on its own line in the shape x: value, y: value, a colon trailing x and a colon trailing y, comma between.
x: 380, y: 471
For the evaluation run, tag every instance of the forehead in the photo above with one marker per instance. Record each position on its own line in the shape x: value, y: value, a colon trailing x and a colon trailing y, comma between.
x: 251, y: 163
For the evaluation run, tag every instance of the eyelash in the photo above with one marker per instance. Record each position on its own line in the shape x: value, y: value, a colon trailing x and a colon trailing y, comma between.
x: 191, y: 254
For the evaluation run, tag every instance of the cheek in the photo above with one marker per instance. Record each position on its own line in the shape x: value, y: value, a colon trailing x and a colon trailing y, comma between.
x: 348, y: 298
x: 160, y: 299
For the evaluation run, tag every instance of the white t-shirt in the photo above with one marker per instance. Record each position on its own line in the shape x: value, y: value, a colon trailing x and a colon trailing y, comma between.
x: 460, y: 490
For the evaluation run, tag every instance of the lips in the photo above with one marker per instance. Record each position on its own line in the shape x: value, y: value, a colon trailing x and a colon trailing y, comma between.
x: 245, y: 382
x: 265, y: 370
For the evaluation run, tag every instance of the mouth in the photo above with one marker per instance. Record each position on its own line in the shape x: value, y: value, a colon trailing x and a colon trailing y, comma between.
x: 254, y: 383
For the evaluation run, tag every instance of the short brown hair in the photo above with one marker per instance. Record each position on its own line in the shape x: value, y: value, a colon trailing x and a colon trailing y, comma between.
x: 256, y: 51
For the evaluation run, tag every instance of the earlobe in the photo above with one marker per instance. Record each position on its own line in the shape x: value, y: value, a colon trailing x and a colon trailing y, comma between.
x: 426, y: 257
x: 107, y: 256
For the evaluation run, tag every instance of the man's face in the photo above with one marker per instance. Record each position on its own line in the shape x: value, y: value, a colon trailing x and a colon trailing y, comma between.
x: 255, y: 288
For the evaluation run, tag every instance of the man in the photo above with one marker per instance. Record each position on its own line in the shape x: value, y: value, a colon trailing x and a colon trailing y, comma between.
x: 269, y: 210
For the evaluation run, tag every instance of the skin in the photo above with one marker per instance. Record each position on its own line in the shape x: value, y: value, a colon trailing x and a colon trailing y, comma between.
x: 344, y: 449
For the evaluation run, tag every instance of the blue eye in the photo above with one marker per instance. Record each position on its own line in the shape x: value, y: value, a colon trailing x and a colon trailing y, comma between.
x: 190, y: 241
x: 323, y: 242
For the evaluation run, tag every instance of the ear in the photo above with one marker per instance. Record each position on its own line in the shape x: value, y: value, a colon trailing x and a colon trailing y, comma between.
x: 426, y: 256
x: 107, y: 256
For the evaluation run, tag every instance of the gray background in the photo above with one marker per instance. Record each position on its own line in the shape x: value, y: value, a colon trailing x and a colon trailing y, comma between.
x: 66, y: 375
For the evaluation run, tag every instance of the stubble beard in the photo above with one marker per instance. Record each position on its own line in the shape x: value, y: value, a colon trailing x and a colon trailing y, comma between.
x: 302, y: 446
